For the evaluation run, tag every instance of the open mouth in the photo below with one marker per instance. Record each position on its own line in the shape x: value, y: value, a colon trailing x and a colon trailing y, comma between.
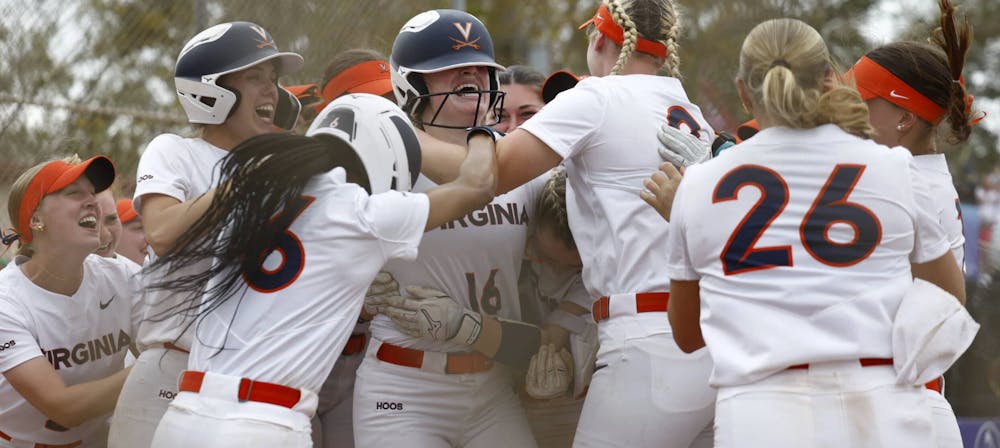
x: 88, y: 222
x: 266, y: 112
x: 103, y: 248
x: 468, y: 91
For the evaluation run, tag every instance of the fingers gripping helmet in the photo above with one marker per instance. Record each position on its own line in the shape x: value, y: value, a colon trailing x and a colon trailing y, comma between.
x: 380, y: 134
x: 435, y: 41
x: 228, y: 48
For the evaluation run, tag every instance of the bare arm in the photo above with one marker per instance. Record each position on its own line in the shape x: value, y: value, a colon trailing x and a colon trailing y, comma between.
x: 943, y: 272
x: 472, y: 189
x: 164, y: 218
x: 68, y: 406
x: 684, y: 312
x: 520, y: 157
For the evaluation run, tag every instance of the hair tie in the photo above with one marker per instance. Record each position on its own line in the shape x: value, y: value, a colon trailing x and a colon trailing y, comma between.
x: 780, y: 62
x: 9, y: 238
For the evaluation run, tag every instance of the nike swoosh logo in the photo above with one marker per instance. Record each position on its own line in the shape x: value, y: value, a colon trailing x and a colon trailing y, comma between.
x: 105, y: 304
x: 893, y: 94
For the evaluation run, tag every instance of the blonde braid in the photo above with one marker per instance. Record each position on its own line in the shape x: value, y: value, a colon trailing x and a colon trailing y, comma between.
x: 671, y: 26
x: 631, y: 34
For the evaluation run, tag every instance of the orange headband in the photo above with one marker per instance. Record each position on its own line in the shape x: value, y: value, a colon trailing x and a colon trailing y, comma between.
x: 367, y: 77
x: 55, y: 176
x: 607, y: 26
x: 125, y: 211
x: 874, y: 80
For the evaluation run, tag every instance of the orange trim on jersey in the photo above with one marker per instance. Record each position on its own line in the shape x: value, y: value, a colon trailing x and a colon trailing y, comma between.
x: 865, y: 362
x: 6, y: 437
x: 874, y: 80
x: 355, y: 344
x: 645, y: 302
x: 126, y: 212
x: 249, y: 390
x: 171, y: 346
x: 472, y: 362
x: 606, y: 24
x: 367, y: 77
x: 936, y: 385
x: 55, y: 176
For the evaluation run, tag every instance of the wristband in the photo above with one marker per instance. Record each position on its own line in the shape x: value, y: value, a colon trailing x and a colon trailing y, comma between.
x: 468, y: 330
x: 492, y: 133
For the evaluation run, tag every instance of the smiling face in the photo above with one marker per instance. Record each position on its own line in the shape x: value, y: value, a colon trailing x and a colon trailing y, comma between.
x: 459, y: 108
x: 254, y: 114
x: 520, y: 104
x: 111, y: 226
x: 70, y: 218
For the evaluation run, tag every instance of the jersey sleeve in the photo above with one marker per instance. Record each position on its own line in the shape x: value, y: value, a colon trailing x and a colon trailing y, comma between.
x: 162, y: 171
x: 679, y: 265
x: 929, y: 240
x: 17, y: 343
x: 398, y: 220
x: 567, y: 123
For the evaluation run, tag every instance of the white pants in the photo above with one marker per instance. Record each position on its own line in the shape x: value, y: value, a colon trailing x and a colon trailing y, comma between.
x: 835, y: 405
x: 946, y: 429
x: 333, y: 425
x: 214, y: 417
x: 149, y: 388
x: 399, y: 406
x: 646, y: 392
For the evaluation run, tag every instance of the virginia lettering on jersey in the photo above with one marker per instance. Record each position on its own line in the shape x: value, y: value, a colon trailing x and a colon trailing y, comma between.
x: 492, y: 215
x: 85, y: 352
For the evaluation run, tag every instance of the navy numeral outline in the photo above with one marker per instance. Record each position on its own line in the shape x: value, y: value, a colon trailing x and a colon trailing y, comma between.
x: 677, y: 115
x: 293, y: 257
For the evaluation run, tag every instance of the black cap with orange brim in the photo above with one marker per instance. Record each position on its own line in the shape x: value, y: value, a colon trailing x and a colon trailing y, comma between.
x: 558, y: 82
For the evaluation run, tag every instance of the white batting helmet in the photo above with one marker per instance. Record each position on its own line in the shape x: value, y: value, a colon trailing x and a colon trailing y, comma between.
x: 381, y: 135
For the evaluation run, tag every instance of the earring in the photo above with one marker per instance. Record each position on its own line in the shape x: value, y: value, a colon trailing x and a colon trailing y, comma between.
x: 38, y: 227
x: 899, y: 127
x: 745, y: 108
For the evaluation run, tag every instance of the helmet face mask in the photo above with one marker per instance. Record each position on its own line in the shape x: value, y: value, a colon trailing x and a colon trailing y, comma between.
x: 379, y: 133
x: 487, y: 116
x: 220, y: 50
x: 435, y: 41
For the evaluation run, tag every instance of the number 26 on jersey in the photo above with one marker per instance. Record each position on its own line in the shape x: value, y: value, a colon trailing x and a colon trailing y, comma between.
x: 832, y: 206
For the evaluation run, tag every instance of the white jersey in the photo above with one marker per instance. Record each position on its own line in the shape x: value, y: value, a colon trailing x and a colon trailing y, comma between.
x: 296, y: 316
x: 182, y: 168
x: 475, y: 259
x: 605, y: 129
x: 84, y: 336
x: 944, y: 200
x: 802, y: 242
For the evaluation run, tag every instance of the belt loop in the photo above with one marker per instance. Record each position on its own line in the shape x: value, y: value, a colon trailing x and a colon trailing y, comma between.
x: 241, y: 397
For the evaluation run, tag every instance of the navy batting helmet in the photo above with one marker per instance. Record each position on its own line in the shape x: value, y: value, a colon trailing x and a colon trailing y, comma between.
x: 228, y: 48
x: 438, y: 40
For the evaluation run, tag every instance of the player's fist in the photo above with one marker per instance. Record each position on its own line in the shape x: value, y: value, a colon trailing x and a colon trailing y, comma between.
x: 428, y: 312
x: 383, y: 287
x: 681, y: 148
x: 549, y: 373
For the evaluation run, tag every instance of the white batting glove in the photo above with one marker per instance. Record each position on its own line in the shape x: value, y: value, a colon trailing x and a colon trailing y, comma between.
x: 680, y: 148
x: 377, y: 296
x: 428, y: 312
x: 549, y: 374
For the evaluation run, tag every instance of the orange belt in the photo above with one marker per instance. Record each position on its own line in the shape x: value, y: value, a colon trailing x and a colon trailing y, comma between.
x: 44, y: 445
x: 865, y: 362
x: 473, y: 362
x: 935, y: 385
x: 645, y: 302
x: 249, y: 390
x: 355, y: 344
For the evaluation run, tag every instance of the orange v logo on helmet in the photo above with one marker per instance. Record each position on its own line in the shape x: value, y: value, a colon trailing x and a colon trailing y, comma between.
x: 264, y: 40
x: 466, y: 30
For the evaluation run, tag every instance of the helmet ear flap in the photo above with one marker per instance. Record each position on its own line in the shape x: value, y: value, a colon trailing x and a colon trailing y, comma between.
x: 206, y: 103
x: 286, y: 112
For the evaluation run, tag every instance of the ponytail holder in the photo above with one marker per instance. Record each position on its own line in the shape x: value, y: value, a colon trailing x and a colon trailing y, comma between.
x: 780, y: 62
x: 968, y: 110
x: 9, y: 238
